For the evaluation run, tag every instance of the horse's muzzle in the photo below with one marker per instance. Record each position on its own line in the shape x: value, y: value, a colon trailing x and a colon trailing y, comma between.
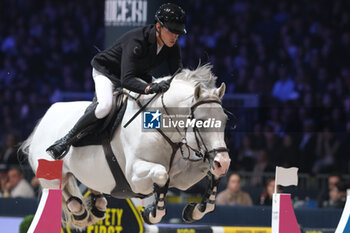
x: 220, y: 164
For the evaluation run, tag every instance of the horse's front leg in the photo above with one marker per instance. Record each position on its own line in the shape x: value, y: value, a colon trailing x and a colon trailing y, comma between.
x: 155, y: 212
x: 196, y: 211
x: 151, y: 177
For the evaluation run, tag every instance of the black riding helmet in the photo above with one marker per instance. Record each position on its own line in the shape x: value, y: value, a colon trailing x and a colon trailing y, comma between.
x: 172, y: 17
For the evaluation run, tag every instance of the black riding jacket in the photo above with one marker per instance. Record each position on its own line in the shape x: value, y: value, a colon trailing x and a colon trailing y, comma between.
x: 129, y: 62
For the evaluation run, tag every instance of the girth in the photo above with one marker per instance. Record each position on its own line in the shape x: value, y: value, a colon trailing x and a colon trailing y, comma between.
x: 122, y: 187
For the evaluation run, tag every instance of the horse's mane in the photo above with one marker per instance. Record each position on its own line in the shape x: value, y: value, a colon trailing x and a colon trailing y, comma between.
x: 201, y: 75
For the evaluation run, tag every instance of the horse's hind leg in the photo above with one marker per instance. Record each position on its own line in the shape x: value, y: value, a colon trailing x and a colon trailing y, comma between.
x: 83, y: 212
x: 97, y: 205
x: 75, y: 208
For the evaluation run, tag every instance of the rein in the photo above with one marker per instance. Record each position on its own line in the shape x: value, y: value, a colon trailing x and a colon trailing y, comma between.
x: 143, y: 107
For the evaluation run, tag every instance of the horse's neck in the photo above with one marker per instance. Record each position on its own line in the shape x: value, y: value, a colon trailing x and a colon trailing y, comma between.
x: 178, y: 96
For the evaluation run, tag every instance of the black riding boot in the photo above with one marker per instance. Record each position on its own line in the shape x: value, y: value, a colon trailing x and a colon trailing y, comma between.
x: 61, y: 147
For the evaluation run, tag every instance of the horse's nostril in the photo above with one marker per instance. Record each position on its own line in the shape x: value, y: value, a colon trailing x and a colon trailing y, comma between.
x: 217, y: 164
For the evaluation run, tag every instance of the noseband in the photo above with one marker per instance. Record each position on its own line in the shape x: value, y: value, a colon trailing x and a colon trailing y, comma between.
x: 199, y: 136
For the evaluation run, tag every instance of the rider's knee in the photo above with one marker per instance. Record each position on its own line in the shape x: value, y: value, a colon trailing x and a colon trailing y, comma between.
x: 103, y: 109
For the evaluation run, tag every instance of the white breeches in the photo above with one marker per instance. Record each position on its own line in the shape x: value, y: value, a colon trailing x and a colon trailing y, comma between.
x: 104, y: 93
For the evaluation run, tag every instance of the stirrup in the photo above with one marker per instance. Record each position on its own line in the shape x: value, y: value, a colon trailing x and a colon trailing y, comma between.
x: 55, y: 157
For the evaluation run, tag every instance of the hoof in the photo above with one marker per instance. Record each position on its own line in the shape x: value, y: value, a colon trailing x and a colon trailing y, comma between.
x: 146, y: 212
x: 98, y: 208
x: 81, y: 220
x: 96, y: 215
x: 75, y: 205
x: 187, y: 213
x: 79, y: 217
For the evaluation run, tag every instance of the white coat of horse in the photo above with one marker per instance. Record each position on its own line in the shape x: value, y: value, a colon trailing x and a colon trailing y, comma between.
x: 144, y: 157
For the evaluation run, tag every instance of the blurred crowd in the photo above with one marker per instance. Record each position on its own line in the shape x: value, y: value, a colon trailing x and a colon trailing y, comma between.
x: 331, y: 196
x: 45, y: 47
x: 294, y: 55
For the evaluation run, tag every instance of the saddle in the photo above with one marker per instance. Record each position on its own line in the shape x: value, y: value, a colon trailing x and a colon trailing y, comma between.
x: 103, y: 129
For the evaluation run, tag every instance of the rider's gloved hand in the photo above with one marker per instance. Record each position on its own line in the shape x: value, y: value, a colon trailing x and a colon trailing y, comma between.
x: 162, y: 86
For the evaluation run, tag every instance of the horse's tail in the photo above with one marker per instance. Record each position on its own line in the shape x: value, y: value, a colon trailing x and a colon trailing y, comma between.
x: 23, y: 152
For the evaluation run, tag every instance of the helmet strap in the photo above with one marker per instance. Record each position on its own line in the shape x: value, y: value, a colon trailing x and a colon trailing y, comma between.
x: 160, y: 34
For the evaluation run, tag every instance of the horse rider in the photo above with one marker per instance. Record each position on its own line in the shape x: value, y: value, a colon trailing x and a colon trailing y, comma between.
x: 128, y: 64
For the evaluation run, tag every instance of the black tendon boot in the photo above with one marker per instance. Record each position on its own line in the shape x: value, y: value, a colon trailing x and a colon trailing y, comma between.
x: 61, y: 147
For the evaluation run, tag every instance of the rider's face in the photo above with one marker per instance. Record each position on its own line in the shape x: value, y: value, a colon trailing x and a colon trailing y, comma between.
x: 168, y: 37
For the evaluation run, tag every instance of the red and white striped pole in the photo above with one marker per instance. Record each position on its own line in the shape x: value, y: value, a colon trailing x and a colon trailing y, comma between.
x: 48, y: 215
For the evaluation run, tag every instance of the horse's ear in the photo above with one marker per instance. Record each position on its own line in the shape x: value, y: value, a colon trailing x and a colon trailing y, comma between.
x: 197, y: 91
x: 221, y: 90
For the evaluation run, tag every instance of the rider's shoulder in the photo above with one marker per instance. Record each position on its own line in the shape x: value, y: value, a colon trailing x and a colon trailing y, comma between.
x: 136, y: 48
x: 136, y: 41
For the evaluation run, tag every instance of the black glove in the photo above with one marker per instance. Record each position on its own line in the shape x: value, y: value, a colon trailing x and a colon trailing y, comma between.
x: 162, y: 86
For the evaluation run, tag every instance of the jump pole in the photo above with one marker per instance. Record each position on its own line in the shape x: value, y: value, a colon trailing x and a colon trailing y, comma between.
x: 344, y: 223
x: 283, y: 216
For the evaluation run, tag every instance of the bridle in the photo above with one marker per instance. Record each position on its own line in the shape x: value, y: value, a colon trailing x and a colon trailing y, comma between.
x: 197, y: 133
x: 202, y: 152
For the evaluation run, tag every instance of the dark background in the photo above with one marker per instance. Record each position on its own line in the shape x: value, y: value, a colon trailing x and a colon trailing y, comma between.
x: 291, y: 57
